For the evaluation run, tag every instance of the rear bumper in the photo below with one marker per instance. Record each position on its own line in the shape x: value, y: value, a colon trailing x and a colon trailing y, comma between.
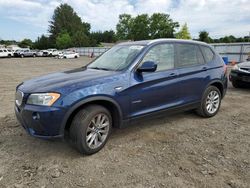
x: 40, y: 121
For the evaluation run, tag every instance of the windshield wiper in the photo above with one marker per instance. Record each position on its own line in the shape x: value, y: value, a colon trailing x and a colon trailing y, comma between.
x: 100, y: 68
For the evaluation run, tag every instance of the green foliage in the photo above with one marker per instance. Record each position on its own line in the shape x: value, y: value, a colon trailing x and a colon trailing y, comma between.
x: 183, y: 33
x: 8, y: 42
x: 80, y: 39
x: 123, y: 28
x: 65, y: 20
x: 162, y: 26
x: 26, y: 43
x: 141, y: 27
x: 63, y: 41
x: 204, y: 36
x: 106, y: 36
x: 43, y: 42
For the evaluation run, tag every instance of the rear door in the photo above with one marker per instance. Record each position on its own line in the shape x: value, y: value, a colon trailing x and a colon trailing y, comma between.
x: 193, y: 72
x: 150, y: 92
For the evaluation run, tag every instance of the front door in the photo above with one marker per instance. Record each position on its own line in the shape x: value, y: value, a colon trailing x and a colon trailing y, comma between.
x: 151, y: 92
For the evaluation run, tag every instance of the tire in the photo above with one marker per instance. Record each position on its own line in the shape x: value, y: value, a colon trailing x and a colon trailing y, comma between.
x: 84, y: 126
x: 236, y: 84
x: 210, y: 103
x: 76, y: 57
x: 34, y: 55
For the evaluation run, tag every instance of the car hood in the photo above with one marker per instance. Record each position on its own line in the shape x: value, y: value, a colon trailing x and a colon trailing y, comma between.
x: 73, y: 79
x: 244, y: 64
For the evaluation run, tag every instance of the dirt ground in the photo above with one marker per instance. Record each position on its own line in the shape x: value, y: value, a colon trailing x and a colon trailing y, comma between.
x: 181, y: 150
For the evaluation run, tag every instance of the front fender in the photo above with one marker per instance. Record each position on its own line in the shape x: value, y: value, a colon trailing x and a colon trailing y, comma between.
x: 88, y: 100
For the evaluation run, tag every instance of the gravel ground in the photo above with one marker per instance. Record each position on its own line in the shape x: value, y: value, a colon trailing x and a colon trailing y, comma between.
x: 181, y: 150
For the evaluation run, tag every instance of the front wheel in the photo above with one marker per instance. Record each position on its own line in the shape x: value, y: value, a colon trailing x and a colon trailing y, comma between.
x: 90, y: 129
x: 210, y: 103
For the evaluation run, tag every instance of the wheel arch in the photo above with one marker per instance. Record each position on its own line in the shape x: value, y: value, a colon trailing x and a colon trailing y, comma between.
x: 106, y: 102
x: 219, y: 84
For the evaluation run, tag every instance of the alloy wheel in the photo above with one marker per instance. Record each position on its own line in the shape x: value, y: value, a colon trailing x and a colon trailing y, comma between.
x: 212, y: 102
x: 97, y: 130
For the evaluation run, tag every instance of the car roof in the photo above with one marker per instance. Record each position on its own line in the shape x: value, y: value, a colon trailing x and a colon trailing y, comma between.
x: 155, y: 41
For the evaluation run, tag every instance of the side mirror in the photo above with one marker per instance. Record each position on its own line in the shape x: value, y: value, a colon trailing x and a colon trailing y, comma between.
x: 147, y: 66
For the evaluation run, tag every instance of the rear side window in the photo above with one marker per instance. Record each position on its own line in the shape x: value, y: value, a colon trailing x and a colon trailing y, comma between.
x: 208, y: 53
x: 189, y: 55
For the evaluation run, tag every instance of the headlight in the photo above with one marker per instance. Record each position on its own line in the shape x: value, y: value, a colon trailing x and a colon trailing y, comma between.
x: 44, y: 99
x: 236, y: 67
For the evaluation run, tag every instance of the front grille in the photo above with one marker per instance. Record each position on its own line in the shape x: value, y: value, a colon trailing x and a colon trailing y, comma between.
x: 19, y: 98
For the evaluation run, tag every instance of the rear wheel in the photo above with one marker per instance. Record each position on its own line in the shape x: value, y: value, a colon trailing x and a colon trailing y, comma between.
x: 210, y: 103
x: 90, y: 129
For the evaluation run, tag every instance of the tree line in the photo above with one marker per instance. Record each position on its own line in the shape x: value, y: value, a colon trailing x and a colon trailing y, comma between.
x: 66, y: 29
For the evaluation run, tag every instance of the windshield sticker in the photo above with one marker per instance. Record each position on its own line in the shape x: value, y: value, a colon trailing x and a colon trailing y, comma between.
x: 135, y: 47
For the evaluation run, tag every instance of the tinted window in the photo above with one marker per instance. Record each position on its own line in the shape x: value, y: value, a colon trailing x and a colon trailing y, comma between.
x: 189, y: 55
x: 162, y: 55
x: 1, y: 50
x: 208, y: 53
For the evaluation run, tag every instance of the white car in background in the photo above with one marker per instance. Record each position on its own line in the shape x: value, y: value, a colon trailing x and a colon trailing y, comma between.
x: 53, y: 52
x: 68, y: 55
x: 5, y: 52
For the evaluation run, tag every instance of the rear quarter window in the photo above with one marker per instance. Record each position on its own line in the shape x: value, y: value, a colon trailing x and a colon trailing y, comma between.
x: 208, y: 53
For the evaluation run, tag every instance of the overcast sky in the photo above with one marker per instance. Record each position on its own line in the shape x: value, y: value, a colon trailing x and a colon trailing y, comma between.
x: 21, y: 19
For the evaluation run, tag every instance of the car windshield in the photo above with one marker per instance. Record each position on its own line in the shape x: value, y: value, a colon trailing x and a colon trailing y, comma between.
x: 117, y: 58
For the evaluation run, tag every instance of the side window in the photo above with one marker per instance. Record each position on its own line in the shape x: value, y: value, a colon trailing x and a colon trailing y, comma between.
x: 1, y: 50
x: 189, y: 55
x: 208, y: 53
x: 162, y: 55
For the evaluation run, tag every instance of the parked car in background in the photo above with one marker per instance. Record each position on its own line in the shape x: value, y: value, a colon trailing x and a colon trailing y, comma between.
x: 5, y: 52
x: 131, y: 80
x: 10, y: 53
x: 52, y: 52
x: 39, y: 53
x: 240, y: 74
x: 42, y: 53
x: 25, y: 53
x: 68, y: 55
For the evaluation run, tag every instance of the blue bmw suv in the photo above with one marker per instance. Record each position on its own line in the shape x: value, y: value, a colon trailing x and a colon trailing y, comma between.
x: 131, y: 80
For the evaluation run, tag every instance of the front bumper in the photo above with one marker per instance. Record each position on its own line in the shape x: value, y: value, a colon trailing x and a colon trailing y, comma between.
x: 236, y: 75
x: 41, y: 121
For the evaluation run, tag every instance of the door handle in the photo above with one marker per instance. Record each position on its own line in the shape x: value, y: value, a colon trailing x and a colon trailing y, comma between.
x: 204, y: 68
x: 173, y: 74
